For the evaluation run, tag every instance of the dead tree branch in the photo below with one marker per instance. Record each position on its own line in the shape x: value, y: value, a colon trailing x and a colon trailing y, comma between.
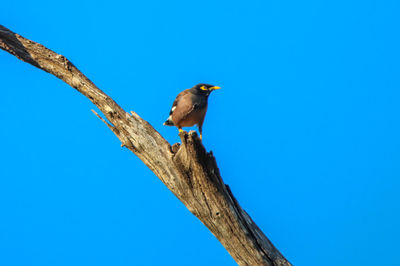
x: 188, y: 170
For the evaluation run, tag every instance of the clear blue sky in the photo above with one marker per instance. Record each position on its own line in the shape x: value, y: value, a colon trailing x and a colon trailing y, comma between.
x: 305, y: 130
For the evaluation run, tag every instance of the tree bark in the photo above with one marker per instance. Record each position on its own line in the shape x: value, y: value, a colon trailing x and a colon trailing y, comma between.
x: 188, y: 170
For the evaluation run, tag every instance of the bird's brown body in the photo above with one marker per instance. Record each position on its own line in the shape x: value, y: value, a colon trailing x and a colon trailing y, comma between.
x: 185, y: 113
x: 190, y: 107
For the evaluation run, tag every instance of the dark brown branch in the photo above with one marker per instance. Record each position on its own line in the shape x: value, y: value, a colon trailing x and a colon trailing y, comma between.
x: 188, y: 170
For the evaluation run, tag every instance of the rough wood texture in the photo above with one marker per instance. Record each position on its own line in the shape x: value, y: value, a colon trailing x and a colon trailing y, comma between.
x: 188, y: 170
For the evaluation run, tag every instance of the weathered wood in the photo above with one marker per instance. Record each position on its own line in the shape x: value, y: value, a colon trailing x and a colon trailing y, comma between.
x: 188, y: 170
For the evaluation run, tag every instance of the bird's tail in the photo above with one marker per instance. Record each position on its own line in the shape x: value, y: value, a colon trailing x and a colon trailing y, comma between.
x: 168, y: 122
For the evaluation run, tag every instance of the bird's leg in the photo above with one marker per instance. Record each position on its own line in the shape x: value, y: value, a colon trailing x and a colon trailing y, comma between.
x: 201, y: 132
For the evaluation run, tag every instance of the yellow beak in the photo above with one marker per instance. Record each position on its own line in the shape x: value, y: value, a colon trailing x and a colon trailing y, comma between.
x: 215, y: 88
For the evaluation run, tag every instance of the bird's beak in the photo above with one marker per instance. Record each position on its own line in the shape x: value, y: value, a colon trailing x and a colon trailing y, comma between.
x: 215, y: 88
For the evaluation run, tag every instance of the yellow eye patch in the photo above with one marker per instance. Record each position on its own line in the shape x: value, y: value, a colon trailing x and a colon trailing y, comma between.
x: 204, y: 88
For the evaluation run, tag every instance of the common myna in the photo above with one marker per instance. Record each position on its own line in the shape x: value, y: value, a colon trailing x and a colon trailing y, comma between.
x: 190, y: 107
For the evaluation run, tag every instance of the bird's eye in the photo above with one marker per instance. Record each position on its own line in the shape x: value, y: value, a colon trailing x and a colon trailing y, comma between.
x: 203, y: 88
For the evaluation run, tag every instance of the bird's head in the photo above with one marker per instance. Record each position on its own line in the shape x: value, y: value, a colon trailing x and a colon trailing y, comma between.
x: 204, y: 89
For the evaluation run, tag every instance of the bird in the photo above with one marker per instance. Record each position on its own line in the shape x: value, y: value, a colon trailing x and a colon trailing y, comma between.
x: 190, y: 107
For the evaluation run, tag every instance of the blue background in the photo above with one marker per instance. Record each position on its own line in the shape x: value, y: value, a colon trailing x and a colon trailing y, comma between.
x: 305, y: 130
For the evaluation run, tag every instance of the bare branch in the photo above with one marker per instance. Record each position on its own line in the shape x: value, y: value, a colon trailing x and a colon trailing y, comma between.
x: 188, y: 170
x: 105, y: 122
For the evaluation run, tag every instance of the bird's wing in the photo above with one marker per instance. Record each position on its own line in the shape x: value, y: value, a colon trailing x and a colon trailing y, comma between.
x: 183, y: 107
x: 180, y: 95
